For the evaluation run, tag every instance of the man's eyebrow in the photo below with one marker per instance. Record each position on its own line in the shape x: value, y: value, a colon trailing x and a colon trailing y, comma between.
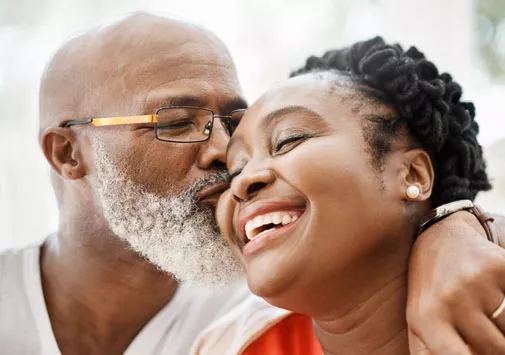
x: 185, y: 100
x: 235, y: 103
x: 265, y: 122
x: 191, y: 100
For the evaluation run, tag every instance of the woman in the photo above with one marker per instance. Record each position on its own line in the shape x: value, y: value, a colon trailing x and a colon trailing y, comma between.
x: 332, y: 172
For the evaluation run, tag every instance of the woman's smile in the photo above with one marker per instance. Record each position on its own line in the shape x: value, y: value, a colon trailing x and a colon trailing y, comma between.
x: 265, y: 224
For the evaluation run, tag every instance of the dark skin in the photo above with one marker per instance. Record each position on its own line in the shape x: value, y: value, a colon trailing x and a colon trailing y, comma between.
x: 99, y: 294
x: 355, y: 288
x: 447, y: 310
x: 323, y: 265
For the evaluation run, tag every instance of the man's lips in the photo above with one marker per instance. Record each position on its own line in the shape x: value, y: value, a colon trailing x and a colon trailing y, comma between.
x: 210, y: 195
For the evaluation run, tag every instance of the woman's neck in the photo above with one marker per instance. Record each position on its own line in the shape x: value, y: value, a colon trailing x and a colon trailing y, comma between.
x: 376, y: 326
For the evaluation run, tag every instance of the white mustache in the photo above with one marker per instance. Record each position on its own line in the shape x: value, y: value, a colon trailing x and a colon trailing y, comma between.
x: 211, y: 179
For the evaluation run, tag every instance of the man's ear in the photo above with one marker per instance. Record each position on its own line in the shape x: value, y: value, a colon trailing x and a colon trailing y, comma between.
x: 62, y: 151
x: 418, y: 172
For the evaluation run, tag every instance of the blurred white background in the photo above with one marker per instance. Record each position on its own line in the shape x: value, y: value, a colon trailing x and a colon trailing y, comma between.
x: 268, y: 39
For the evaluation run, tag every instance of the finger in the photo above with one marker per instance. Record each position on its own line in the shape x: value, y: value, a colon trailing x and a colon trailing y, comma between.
x: 494, y: 303
x: 500, y: 322
x: 416, y: 345
x: 482, y: 335
x: 440, y: 339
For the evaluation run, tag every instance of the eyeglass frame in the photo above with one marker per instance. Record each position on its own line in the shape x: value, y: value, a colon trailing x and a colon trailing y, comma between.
x: 139, y: 119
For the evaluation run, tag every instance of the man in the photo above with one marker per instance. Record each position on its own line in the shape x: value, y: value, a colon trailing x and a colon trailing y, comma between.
x: 123, y: 195
x: 136, y: 207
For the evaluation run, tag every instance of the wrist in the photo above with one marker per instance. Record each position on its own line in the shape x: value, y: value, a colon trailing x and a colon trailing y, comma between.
x: 470, y: 219
x: 445, y: 211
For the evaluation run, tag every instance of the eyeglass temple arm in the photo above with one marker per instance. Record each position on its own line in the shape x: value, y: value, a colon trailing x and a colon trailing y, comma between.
x: 76, y: 122
x: 111, y: 121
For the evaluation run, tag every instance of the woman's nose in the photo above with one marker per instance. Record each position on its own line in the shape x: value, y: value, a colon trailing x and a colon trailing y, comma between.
x: 248, y: 183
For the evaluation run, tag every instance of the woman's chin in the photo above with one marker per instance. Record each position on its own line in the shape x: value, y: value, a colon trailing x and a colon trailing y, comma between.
x: 274, y: 283
x: 278, y: 294
x: 264, y: 287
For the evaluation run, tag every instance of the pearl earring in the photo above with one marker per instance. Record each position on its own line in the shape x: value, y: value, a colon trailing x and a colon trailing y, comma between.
x: 413, y: 192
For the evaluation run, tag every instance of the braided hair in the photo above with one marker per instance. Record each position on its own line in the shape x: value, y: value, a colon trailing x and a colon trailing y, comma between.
x: 428, y: 105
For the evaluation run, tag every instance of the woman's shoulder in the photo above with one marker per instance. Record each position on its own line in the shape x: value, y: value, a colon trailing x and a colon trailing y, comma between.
x: 293, y: 335
x: 255, y: 327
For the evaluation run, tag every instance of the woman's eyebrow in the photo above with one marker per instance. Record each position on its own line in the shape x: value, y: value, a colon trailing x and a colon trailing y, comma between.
x: 274, y: 115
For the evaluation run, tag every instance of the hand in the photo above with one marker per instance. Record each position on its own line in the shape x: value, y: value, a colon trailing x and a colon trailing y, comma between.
x: 456, y: 281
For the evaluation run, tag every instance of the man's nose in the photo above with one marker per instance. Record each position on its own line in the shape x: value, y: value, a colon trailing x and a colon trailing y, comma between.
x: 213, y: 152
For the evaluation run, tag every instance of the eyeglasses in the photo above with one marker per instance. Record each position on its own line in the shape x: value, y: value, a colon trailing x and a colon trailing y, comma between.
x: 176, y: 124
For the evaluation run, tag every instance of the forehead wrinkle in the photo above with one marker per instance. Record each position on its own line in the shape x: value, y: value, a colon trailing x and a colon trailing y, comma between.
x: 154, y: 102
x: 200, y: 53
x: 158, y: 101
x: 181, y: 69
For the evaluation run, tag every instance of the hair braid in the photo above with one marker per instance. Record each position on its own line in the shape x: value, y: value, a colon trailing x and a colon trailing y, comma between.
x: 429, y: 104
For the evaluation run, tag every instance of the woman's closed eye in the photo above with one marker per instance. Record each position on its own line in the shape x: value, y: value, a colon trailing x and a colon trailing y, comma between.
x: 285, y: 144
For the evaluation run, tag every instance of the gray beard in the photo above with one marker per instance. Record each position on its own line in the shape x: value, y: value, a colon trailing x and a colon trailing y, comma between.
x: 172, y: 233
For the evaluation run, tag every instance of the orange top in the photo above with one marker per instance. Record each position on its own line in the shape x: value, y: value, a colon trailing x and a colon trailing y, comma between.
x: 293, y: 335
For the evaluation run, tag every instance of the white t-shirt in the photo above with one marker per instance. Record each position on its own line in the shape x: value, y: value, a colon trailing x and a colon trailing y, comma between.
x: 25, y: 328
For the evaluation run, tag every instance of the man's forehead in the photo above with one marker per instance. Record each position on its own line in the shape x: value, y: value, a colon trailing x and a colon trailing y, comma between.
x: 109, y: 69
x: 181, y: 65
x: 146, y: 48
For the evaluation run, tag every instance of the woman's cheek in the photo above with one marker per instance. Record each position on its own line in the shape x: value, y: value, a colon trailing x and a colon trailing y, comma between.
x: 322, y: 166
x: 224, y: 215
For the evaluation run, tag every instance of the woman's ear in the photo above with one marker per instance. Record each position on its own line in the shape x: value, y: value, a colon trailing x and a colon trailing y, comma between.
x: 62, y: 151
x: 418, y: 176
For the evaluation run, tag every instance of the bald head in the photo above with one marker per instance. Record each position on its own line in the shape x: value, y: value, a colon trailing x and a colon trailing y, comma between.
x: 121, y: 181
x: 109, y: 70
x: 133, y: 67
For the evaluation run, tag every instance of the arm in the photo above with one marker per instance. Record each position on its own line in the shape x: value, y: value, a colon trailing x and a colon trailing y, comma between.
x: 500, y: 229
x: 456, y: 281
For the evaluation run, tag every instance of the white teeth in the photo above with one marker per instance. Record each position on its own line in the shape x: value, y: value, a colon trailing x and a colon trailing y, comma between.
x: 286, y: 219
x: 252, y: 226
x: 249, y: 227
x: 258, y: 221
x: 276, y: 218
